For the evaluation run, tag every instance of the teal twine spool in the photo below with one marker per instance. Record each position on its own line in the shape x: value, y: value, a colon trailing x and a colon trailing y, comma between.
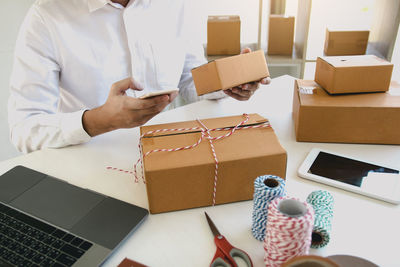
x: 322, y: 202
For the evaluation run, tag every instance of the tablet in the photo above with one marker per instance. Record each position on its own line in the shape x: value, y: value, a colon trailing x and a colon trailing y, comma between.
x: 355, y: 175
x: 156, y: 93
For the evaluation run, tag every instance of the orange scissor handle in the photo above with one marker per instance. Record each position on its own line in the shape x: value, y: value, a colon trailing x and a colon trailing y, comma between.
x: 224, y: 256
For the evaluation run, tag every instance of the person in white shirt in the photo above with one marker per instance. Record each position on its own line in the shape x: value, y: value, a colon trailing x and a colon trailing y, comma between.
x: 75, y: 61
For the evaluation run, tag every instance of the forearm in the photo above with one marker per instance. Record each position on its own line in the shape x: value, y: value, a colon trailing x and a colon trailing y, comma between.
x: 94, y: 122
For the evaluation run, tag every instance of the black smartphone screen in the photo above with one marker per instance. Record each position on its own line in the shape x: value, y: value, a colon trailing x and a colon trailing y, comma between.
x: 343, y: 169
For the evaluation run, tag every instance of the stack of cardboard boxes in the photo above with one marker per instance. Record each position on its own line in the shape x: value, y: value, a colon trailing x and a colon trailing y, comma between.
x: 350, y: 101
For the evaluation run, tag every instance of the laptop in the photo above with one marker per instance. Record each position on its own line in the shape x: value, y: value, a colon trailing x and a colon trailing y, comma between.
x: 45, y: 221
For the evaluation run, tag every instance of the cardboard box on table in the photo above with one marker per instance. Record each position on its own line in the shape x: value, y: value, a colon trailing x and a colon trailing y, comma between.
x: 231, y: 71
x: 353, y: 74
x: 223, y: 35
x: 185, y: 179
x: 340, y: 43
x: 281, y: 35
x: 372, y: 118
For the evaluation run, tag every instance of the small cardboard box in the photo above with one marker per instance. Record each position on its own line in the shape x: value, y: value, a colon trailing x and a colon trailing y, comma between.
x: 353, y: 74
x: 340, y: 43
x: 185, y: 179
x: 372, y: 118
x: 231, y: 71
x: 281, y: 35
x: 223, y: 35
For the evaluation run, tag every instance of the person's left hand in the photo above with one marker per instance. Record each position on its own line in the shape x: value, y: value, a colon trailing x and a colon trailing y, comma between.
x: 245, y: 91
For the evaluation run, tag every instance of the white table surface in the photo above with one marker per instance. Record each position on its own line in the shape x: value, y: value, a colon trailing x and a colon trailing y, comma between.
x: 361, y: 226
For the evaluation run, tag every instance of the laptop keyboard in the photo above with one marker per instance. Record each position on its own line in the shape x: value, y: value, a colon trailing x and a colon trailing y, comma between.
x: 26, y: 241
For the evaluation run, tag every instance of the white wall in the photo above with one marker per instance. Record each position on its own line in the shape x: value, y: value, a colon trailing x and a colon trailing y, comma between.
x: 396, y: 59
x: 12, y: 13
x: 246, y: 9
x: 337, y: 14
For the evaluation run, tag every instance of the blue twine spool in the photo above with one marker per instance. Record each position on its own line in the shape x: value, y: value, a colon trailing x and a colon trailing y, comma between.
x: 266, y: 189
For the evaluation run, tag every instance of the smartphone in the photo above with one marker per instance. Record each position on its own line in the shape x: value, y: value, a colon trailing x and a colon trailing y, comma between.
x: 162, y: 92
x: 366, y: 178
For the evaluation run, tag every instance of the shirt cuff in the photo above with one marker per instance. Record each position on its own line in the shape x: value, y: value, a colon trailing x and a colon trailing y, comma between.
x: 214, y: 95
x: 72, y: 128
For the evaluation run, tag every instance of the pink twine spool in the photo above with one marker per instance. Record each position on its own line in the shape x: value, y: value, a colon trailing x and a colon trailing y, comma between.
x: 289, y: 227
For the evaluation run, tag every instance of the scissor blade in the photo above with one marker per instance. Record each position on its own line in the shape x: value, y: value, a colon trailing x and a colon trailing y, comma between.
x: 213, y: 228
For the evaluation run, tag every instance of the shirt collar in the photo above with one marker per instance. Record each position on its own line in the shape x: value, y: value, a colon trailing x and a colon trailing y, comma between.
x: 97, y: 4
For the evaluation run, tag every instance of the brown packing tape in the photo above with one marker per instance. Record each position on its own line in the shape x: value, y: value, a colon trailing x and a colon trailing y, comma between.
x: 310, y: 261
x: 353, y: 261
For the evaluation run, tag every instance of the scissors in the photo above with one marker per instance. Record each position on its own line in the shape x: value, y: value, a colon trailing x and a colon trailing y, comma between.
x: 225, y: 251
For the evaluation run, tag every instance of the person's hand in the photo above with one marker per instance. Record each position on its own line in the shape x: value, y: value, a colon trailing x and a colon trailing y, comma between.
x: 122, y: 111
x: 245, y: 91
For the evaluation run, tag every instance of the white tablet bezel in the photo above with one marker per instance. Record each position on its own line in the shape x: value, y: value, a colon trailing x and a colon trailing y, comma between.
x: 305, y: 166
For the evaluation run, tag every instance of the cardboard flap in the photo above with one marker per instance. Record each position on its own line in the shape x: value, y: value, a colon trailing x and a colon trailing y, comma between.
x: 221, y: 122
x: 340, y: 30
x: 311, y: 94
x: 356, y: 61
x: 223, y: 18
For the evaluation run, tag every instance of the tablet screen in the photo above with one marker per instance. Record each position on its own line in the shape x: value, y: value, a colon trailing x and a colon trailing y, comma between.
x: 351, y: 171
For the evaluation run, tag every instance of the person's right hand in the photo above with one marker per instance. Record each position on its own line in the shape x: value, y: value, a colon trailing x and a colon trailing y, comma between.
x: 122, y: 111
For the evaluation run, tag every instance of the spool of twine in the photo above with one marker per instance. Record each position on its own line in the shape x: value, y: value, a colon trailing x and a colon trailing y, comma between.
x: 322, y: 202
x: 266, y: 189
x: 288, y: 234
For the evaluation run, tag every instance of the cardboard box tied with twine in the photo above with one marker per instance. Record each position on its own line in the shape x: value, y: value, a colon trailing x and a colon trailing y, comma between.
x: 228, y: 72
x: 353, y: 74
x: 372, y: 118
x: 223, y: 35
x: 179, y: 161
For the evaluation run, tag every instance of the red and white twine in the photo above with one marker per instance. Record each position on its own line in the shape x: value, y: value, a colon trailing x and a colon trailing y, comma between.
x: 286, y: 236
x: 117, y: 169
x: 205, y: 134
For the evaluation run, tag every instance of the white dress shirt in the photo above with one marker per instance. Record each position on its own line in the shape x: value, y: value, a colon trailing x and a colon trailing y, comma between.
x: 70, y: 52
